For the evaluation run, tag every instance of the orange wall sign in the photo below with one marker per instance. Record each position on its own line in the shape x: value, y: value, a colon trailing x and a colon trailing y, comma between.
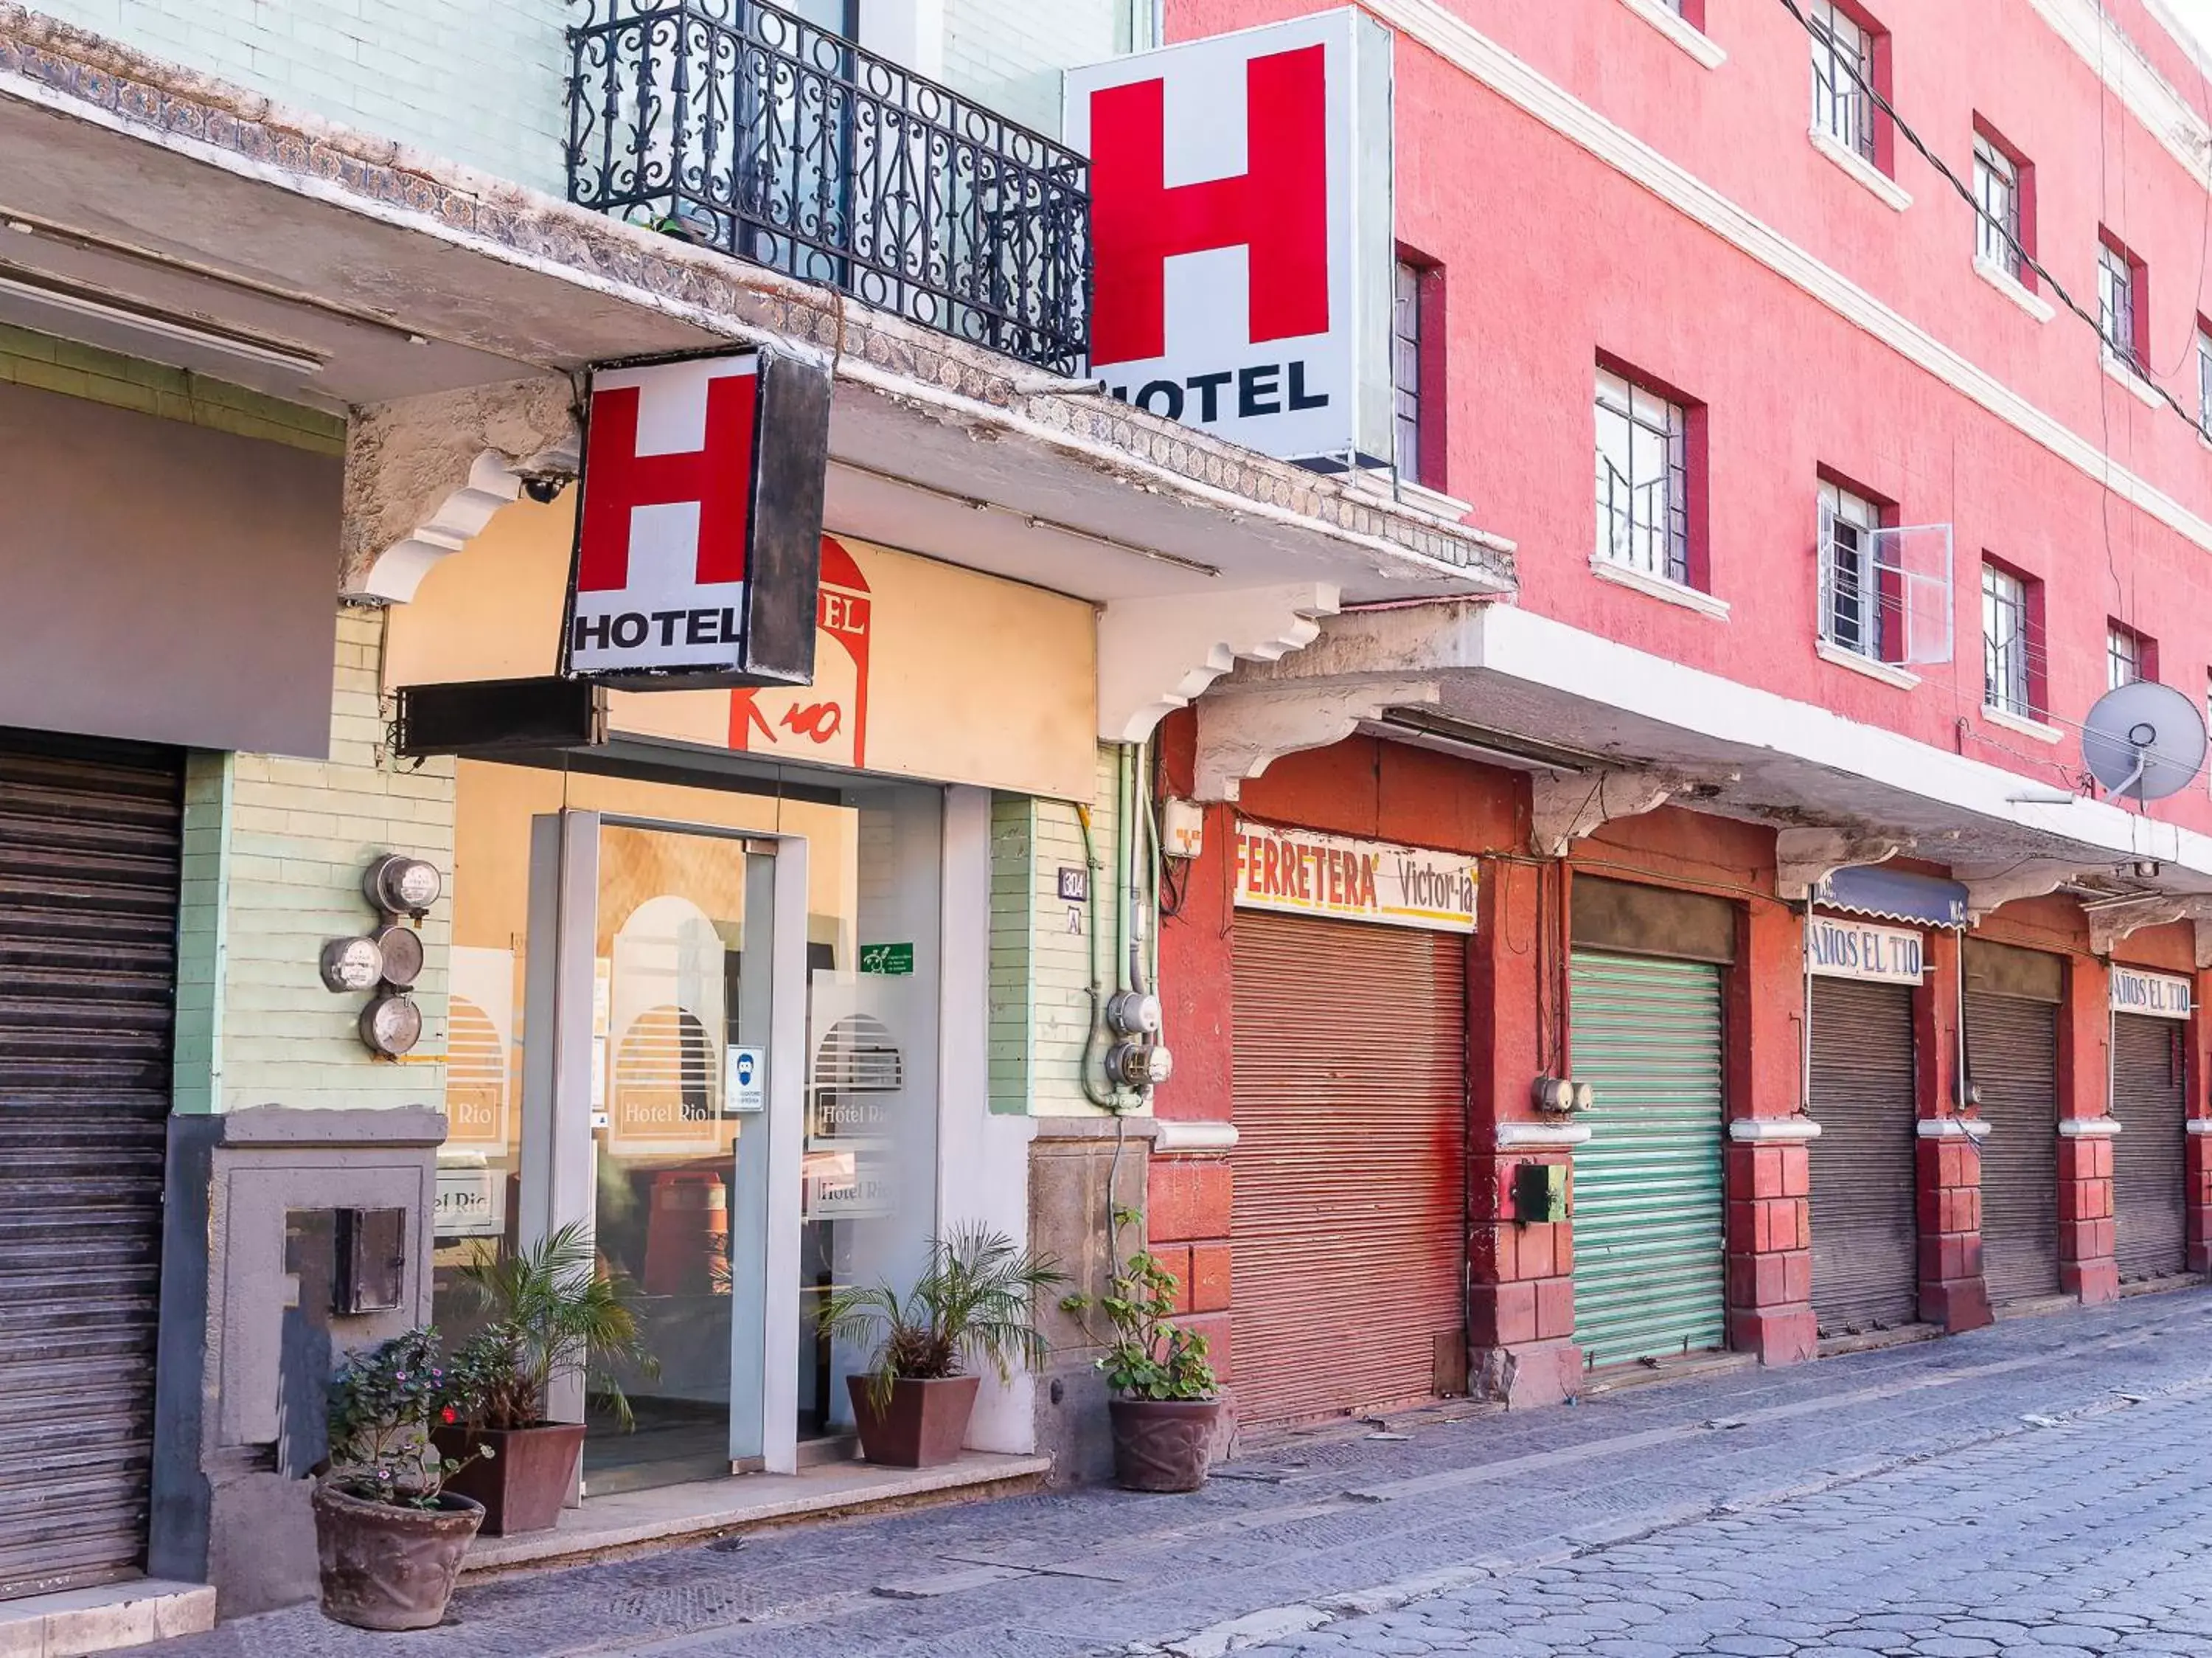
x: 826, y: 722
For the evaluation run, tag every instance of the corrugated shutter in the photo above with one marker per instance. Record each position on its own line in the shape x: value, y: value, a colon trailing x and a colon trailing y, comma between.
x: 1866, y: 1244
x: 2150, y: 1156
x: 2012, y: 1048
x: 1649, y: 1195
x: 1346, y: 1272
x: 90, y: 838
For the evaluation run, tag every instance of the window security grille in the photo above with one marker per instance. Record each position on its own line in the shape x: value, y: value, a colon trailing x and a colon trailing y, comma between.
x: 1842, y: 71
x: 1643, y: 479
x: 1885, y: 591
x: 2204, y: 382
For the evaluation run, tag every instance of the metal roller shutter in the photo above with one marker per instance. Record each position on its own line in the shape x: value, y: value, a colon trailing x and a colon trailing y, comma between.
x: 1649, y: 1196
x: 2150, y: 1156
x: 90, y: 844
x: 2012, y: 1048
x: 1866, y: 1243
x: 1350, y: 1057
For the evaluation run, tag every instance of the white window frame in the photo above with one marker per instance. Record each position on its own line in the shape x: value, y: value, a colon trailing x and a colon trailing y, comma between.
x: 1852, y: 608
x: 1843, y: 107
x: 2203, y: 380
x: 2123, y: 654
x: 1997, y: 208
x: 1639, y: 536
x: 1405, y: 369
x: 2008, y: 679
x: 2116, y: 306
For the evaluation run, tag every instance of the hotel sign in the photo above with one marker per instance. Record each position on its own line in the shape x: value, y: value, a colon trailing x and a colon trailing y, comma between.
x: 1301, y: 873
x: 1858, y: 949
x: 2160, y: 995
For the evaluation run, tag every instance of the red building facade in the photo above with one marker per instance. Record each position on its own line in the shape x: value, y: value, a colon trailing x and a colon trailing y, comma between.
x: 1907, y: 516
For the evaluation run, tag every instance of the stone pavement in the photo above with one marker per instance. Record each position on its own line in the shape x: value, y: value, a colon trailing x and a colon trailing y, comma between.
x: 2041, y: 1488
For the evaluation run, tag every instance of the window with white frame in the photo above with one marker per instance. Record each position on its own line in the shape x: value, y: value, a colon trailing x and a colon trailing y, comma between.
x: 1406, y: 368
x: 2116, y: 304
x: 1843, y: 76
x: 1852, y: 602
x: 2008, y: 681
x: 1643, y: 478
x: 2203, y: 379
x: 1997, y: 202
x: 2123, y: 655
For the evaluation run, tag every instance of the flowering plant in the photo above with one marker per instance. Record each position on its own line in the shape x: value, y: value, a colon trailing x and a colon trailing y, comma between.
x: 383, y: 1406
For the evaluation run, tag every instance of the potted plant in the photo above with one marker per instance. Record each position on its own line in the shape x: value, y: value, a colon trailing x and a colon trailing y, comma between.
x: 975, y: 1301
x: 389, y: 1537
x: 552, y: 1315
x: 1164, y: 1399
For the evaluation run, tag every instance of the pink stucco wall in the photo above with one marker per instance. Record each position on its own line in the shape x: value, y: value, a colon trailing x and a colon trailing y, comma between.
x: 1553, y: 258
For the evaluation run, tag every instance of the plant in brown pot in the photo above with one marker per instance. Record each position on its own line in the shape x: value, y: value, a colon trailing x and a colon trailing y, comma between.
x: 1165, y: 1401
x: 975, y: 1302
x: 554, y: 1316
x: 389, y: 1536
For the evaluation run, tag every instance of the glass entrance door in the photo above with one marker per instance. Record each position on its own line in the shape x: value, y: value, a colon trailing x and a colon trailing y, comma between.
x: 705, y: 1024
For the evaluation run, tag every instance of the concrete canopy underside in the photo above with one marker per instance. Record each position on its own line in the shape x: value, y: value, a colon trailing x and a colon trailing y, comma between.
x: 1552, y: 698
x: 402, y: 277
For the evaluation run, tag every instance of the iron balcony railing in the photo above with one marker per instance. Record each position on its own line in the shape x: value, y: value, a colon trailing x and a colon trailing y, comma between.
x: 737, y: 125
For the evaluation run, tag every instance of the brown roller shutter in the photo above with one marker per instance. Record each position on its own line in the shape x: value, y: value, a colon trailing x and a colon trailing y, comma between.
x: 2149, y: 1157
x: 1865, y: 1214
x: 2012, y: 1048
x: 1350, y: 1058
x: 90, y: 840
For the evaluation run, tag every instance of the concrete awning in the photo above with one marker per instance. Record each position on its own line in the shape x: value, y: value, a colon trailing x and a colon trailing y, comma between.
x: 1624, y: 731
x: 344, y: 271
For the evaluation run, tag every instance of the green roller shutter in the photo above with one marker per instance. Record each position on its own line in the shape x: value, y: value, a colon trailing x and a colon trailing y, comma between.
x: 1650, y: 1204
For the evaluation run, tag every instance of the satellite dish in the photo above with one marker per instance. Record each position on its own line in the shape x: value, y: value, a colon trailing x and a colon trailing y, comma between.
x: 2145, y: 739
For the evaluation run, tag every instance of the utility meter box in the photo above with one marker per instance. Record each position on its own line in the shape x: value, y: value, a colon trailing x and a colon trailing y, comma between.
x: 1540, y: 1193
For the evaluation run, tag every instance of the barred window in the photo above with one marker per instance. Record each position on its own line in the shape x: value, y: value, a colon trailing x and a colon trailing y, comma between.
x: 2117, y: 278
x: 2008, y: 681
x: 1852, y: 607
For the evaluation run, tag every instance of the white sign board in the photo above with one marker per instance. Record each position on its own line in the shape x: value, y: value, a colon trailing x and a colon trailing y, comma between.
x: 1303, y: 873
x: 1837, y: 948
x: 471, y: 1201
x: 2160, y: 995
x: 744, y: 1084
x: 1241, y: 233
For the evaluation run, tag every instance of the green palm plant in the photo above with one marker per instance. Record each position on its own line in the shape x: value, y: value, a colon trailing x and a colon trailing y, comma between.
x: 975, y: 1302
x: 552, y: 1314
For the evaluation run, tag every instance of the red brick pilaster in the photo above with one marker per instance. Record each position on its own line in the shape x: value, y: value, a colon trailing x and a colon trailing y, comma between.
x: 2199, y: 1150
x: 2086, y: 1227
x: 1521, y: 1291
x: 1953, y: 1292
x: 1769, y: 1168
x: 1187, y: 1206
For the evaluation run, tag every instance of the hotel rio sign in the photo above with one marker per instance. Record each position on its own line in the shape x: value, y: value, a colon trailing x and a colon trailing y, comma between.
x: 1836, y: 949
x: 1301, y: 873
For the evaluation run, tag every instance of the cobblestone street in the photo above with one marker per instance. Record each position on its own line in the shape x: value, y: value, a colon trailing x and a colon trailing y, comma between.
x: 2041, y: 1488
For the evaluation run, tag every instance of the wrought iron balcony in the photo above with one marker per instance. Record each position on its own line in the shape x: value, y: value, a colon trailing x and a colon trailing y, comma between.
x: 736, y: 125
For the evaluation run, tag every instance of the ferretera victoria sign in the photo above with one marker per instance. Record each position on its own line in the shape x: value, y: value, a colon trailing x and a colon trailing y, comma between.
x: 699, y: 532
x: 1306, y: 874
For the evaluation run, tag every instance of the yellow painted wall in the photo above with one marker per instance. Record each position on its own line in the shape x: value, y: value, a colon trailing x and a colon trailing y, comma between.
x: 973, y: 680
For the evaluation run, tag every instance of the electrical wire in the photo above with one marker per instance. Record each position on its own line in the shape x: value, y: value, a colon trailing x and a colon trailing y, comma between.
x: 1966, y: 194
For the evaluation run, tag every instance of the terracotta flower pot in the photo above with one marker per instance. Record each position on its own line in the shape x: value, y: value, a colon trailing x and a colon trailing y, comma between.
x: 1161, y: 1445
x: 526, y: 1483
x: 923, y: 1426
x: 390, y: 1568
